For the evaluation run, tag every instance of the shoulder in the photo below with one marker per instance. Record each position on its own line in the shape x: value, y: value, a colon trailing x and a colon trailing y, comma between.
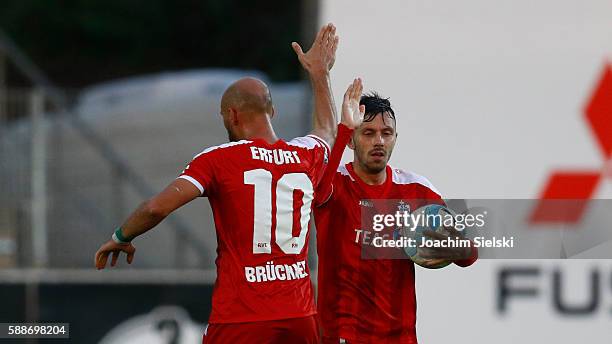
x: 309, y: 142
x: 403, y: 177
x: 222, y: 148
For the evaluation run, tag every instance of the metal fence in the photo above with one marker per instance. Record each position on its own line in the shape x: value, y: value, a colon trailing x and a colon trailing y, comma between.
x: 64, y: 189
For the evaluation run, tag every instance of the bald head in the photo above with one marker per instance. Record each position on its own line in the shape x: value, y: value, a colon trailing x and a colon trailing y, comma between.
x: 247, y: 95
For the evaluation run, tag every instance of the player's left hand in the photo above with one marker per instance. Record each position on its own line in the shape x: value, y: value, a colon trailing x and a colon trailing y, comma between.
x: 449, y: 253
x: 114, y: 248
x: 321, y: 56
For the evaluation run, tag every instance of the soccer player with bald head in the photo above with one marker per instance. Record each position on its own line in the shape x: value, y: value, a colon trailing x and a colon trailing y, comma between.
x: 261, y: 190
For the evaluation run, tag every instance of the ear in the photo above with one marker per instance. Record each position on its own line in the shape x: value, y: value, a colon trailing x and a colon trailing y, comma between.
x: 272, y: 112
x: 233, y: 116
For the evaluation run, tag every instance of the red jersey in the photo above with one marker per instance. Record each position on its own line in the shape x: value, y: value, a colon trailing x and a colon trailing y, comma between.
x: 365, y: 301
x: 261, y: 196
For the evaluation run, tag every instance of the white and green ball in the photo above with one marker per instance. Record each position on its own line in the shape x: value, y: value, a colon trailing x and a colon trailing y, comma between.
x: 436, y: 224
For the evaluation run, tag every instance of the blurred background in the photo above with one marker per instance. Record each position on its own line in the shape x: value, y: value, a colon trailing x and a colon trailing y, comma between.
x: 103, y: 103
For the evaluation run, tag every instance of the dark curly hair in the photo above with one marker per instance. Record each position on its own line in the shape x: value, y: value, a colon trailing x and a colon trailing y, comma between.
x: 374, y: 105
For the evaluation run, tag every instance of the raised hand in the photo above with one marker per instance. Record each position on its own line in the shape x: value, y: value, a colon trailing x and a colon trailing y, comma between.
x: 321, y: 56
x: 352, y: 112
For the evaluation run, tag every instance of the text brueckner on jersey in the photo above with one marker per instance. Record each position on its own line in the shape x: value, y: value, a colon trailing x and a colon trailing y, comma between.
x: 276, y: 272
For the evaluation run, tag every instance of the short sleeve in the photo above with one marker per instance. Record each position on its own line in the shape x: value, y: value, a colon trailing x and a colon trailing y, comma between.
x: 200, y: 171
x: 312, y: 142
x: 320, y: 153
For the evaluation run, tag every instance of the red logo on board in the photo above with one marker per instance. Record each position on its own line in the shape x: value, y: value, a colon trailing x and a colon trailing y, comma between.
x: 566, y: 193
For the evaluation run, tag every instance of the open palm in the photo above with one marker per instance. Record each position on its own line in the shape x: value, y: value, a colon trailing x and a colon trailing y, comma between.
x: 352, y: 112
x: 322, y: 55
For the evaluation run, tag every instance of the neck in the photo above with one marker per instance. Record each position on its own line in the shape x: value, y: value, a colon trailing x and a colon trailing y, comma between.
x: 269, y: 137
x: 369, y: 178
x: 261, y: 129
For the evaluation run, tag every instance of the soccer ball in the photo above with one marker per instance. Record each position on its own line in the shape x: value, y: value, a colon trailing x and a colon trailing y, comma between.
x: 431, y: 217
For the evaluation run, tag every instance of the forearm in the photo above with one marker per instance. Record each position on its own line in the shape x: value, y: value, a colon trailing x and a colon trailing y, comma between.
x: 344, y: 136
x: 326, y: 184
x: 144, y: 218
x: 324, y: 115
x: 153, y: 211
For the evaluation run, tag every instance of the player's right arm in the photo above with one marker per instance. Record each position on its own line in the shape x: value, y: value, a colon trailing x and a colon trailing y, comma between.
x: 318, y: 61
x: 194, y: 181
x: 352, y: 116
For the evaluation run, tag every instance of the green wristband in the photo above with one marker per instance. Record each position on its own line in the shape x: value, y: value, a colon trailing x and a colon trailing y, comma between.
x: 119, y: 238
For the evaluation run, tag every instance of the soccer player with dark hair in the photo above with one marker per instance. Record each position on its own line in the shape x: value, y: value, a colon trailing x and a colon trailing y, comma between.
x: 261, y: 190
x: 370, y: 300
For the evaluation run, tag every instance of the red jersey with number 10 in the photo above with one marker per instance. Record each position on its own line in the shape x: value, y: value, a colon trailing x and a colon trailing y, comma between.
x: 261, y: 195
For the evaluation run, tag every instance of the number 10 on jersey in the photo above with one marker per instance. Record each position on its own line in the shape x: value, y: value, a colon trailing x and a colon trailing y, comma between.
x: 262, y: 222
